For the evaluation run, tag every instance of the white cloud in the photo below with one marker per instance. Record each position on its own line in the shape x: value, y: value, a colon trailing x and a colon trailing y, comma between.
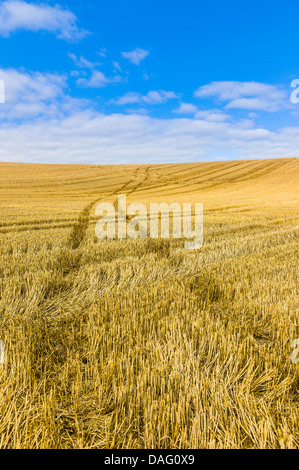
x: 91, y: 137
x: 142, y: 111
x: 76, y: 73
x: 32, y: 94
x: 212, y: 115
x: 135, y: 56
x: 98, y: 80
x: 40, y: 123
x: 81, y: 62
x: 128, y: 98
x: 159, y: 97
x: 18, y: 15
x: 103, y: 52
x: 186, y: 108
x: 152, y: 97
x: 258, y: 104
x: 245, y: 95
x: 33, y: 86
x: 117, y: 66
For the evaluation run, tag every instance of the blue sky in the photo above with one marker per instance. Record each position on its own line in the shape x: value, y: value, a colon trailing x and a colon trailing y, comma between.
x: 127, y: 81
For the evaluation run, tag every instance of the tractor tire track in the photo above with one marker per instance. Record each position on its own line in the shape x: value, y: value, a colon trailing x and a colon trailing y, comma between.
x: 80, y: 228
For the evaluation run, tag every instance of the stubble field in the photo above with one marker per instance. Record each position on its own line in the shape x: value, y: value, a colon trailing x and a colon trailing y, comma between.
x: 141, y: 343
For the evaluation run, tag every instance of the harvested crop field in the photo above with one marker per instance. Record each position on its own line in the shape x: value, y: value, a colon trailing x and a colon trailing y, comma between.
x: 142, y: 343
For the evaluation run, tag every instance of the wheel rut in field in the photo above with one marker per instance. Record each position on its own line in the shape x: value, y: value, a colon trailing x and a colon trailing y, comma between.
x: 68, y: 262
x: 79, y: 230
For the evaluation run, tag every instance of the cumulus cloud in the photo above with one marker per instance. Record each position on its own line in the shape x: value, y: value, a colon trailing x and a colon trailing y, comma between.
x: 117, y: 66
x: 31, y: 88
x: 16, y: 15
x: 135, y: 56
x: 91, y: 137
x: 81, y: 62
x: 103, y: 52
x: 40, y: 122
x: 186, y: 108
x: 159, y: 97
x: 142, y: 111
x: 128, y: 98
x: 212, y: 115
x: 245, y: 95
x: 152, y: 97
x: 33, y: 94
x: 98, y: 80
